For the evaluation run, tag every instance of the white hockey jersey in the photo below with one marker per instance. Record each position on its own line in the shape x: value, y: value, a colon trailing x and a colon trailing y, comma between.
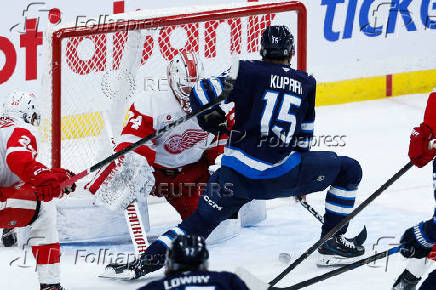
x: 185, y: 144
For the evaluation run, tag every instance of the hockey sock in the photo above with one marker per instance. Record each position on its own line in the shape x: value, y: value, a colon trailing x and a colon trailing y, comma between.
x: 47, y: 259
x: 154, y: 258
x: 342, y: 195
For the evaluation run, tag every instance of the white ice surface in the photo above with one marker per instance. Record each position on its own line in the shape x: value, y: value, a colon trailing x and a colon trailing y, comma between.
x: 377, y: 135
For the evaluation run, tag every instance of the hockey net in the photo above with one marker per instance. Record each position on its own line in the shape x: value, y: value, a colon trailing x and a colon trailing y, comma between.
x: 95, y: 70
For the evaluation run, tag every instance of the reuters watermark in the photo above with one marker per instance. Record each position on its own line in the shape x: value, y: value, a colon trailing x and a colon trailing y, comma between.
x: 187, y: 189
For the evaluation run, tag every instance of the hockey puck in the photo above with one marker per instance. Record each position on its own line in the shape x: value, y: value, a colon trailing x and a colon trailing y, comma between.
x: 285, y: 258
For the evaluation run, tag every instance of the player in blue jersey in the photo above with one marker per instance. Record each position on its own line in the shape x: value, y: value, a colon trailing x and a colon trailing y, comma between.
x: 186, y: 267
x: 420, y: 240
x: 267, y: 155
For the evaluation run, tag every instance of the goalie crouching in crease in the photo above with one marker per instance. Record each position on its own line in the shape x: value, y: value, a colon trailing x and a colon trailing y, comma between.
x: 179, y: 159
x: 256, y: 170
x: 28, y: 186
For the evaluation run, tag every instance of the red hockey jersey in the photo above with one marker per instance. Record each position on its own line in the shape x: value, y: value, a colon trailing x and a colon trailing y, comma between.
x: 18, y: 152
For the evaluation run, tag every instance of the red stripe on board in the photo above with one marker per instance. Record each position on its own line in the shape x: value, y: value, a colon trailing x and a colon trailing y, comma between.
x: 389, y: 85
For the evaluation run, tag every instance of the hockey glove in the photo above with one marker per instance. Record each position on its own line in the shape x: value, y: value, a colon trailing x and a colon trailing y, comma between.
x: 214, y: 121
x: 419, y: 152
x: 47, y: 183
x: 9, y: 238
x: 415, y: 243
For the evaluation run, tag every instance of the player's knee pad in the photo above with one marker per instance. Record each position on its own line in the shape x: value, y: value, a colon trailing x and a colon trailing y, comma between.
x: 350, y: 173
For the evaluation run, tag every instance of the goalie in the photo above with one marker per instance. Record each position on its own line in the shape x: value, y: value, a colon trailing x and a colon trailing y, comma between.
x: 180, y: 158
x: 27, y: 186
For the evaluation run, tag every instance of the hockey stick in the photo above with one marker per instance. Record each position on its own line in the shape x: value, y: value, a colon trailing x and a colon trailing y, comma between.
x: 356, y: 211
x: 359, y: 239
x: 256, y: 284
x: 119, y: 86
x: 140, y: 142
x: 341, y: 270
x: 310, y: 209
x: 133, y: 217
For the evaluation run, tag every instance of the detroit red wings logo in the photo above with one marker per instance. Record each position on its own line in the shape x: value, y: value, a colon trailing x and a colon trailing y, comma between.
x: 179, y: 143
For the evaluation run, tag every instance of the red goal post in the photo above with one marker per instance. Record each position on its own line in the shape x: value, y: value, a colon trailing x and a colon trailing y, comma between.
x: 66, y: 59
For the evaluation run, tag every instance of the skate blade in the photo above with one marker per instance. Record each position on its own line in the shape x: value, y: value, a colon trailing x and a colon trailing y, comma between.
x: 335, y: 260
x: 110, y: 273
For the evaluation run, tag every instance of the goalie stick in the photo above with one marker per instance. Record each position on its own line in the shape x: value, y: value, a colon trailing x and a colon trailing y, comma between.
x: 133, y: 217
x: 140, y: 242
x: 119, y: 86
x: 333, y: 231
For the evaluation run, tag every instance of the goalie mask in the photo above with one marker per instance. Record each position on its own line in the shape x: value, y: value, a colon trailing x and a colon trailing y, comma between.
x: 23, y: 105
x: 183, y: 73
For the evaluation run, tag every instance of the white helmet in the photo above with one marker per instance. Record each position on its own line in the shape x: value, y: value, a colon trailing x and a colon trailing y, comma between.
x: 183, y: 73
x: 23, y: 105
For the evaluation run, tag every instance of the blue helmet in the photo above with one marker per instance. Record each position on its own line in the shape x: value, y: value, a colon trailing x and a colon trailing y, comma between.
x: 277, y: 43
x: 187, y: 253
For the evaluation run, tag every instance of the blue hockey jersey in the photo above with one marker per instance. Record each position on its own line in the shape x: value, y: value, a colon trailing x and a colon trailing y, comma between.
x: 198, y: 280
x: 274, y: 117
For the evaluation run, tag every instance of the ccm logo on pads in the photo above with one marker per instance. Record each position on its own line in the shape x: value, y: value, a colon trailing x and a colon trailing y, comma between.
x: 212, y: 203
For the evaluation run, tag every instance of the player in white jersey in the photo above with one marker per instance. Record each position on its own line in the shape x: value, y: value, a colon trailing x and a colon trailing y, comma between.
x: 181, y: 157
x: 27, y: 186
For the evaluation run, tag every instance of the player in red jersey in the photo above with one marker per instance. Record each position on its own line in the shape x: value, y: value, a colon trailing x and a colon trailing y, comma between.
x: 27, y: 186
x: 420, y: 240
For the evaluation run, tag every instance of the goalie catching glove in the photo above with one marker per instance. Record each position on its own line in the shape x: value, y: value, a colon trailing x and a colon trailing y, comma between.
x: 123, y: 181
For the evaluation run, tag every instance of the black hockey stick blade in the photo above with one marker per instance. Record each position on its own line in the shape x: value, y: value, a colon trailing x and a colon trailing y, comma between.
x: 333, y: 231
x: 360, y: 239
x: 341, y: 270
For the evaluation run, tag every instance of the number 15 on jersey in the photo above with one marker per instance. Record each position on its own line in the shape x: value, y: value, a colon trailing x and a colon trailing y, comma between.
x: 266, y: 123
